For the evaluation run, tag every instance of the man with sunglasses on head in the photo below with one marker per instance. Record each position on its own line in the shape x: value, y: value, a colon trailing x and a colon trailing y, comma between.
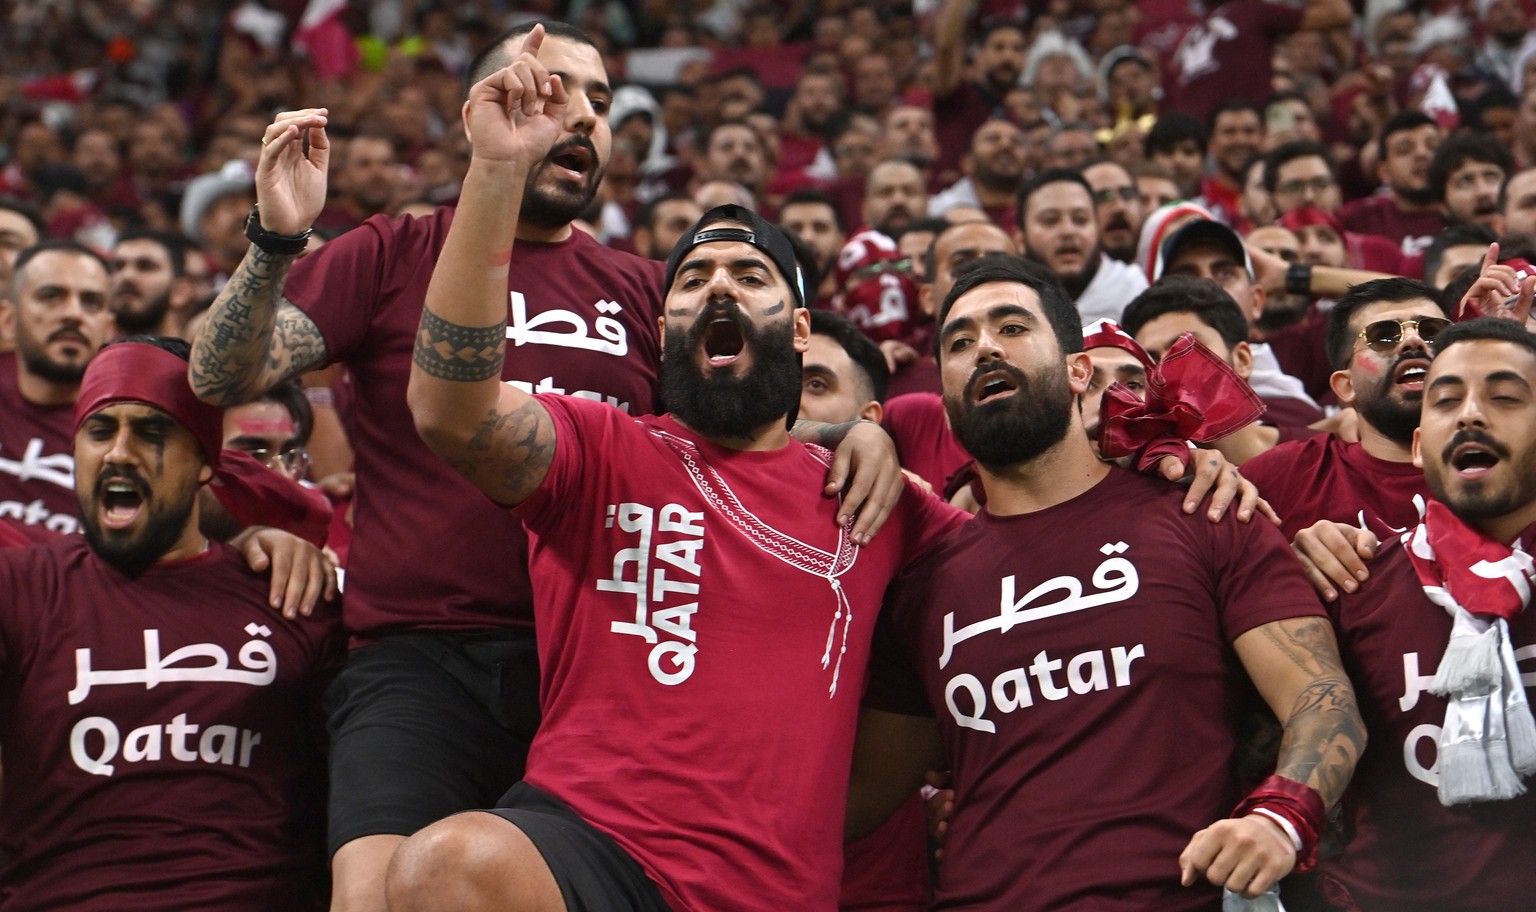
x: 1378, y: 341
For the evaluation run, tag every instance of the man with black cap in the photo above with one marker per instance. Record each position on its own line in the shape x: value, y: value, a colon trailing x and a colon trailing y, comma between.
x: 163, y: 746
x: 704, y: 617
x: 435, y: 707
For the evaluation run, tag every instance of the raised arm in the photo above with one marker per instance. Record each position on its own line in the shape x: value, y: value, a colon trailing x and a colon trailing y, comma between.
x: 254, y: 338
x: 1319, y: 15
x: 949, y: 45
x: 497, y: 436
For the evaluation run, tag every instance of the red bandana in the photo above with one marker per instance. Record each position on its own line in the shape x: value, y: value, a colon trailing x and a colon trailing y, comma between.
x: 1191, y: 395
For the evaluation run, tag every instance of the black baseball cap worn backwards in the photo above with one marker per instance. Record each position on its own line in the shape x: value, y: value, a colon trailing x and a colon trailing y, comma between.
x: 760, y: 233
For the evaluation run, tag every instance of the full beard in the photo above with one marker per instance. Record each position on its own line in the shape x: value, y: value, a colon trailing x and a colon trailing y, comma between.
x: 729, y: 406
x: 1018, y: 428
x: 135, y: 552
x: 145, y: 320
x: 40, y: 365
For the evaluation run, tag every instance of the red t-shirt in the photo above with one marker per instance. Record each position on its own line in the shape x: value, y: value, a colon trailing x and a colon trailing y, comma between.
x: 704, y: 630
x: 37, y: 464
x: 162, y: 736
x: 1323, y: 477
x: 1410, y: 853
x: 956, y: 117
x: 1380, y: 217
x: 581, y: 321
x: 1087, y: 748
x: 924, y: 443
x: 1228, y: 55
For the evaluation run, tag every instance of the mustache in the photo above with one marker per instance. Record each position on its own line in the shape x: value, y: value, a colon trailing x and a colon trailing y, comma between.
x: 1118, y: 223
x: 110, y: 474
x: 1020, y: 381
x: 69, y: 333
x: 576, y: 142
x: 1473, y: 435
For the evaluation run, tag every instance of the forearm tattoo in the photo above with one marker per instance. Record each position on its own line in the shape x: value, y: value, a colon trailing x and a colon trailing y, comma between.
x: 253, y: 337
x: 1324, y: 735
x: 464, y: 354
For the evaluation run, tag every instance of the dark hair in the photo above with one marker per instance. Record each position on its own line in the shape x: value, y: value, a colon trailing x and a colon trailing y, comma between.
x: 812, y: 196
x: 1285, y: 153
x: 1048, y: 176
x: 1401, y: 122
x: 1484, y: 329
x: 62, y: 245
x: 1065, y: 321
x: 1201, y: 298
x: 862, y: 350
x: 734, y: 122
x: 1454, y: 236
x: 997, y: 24
x: 174, y: 245
x: 1171, y: 129
x: 1227, y: 107
x: 1493, y: 98
x: 1460, y: 148
x: 1340, y: 339
x: 491, y: 57
x: 645, y: 216
x: 27, y: 211
x: 290, y: 395
x: 181, y: 348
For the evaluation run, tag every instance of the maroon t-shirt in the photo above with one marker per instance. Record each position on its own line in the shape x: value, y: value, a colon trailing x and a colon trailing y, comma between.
x: 956, y: 117
x: 1379, y: 216
x: 429, y: 550
x: 162, y: 736
x: 1228, y: 55
x: 924, y: 443
x: 1090, y: 718
x: 704, y: 629
x: 1410, y: 853
x: 1323, y: 477
x: 1302, y: 352
x: 37, y: 465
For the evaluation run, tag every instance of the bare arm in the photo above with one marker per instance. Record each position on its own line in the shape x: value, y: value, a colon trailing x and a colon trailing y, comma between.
x: 949, y: 45
x: 1325, y: 14
x: 254, y: 338
x: 890, y: 756
x: 1295, y: 665
x: 497, y: 436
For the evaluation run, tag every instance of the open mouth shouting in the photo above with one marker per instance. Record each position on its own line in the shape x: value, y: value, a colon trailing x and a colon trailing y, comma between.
x: 1410, y: 373
x: 1472, y: 455
x: 576, y: 157
x: 996, y: 383
x: 120, y: 502
x: 723, y: 341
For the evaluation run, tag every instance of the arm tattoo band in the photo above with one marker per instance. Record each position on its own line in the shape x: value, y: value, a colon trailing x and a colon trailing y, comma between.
x: 467, y: 354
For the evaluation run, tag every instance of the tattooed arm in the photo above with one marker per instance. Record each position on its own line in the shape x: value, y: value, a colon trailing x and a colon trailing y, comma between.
x: 497, y: 436
x: 1295, y: 665
x: 253, y: 338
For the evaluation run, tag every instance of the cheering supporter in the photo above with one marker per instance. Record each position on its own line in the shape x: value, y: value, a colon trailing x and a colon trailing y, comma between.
x: 1468, y: 173
x: 1409, y: 211
x: 1439, y: 813
x: 1023, y: 777
x: 162, y: 732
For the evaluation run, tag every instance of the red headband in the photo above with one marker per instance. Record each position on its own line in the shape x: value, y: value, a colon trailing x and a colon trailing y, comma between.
x: 1309, y: 216
x: 253, y: 494
x: 140, y: 372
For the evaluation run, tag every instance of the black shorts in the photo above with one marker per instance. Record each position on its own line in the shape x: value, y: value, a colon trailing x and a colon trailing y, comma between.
x: 594, y: 873
x: 425, y: 725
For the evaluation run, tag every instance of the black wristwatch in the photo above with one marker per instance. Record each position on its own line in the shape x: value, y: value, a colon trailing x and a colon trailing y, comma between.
x: 1298, y: 279
x: 275, y: 244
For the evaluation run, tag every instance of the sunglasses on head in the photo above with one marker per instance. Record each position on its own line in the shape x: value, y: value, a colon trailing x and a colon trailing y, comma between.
x: 1385, y: 335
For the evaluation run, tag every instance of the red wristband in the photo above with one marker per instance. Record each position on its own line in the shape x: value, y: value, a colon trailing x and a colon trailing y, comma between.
x: 1300, y: 805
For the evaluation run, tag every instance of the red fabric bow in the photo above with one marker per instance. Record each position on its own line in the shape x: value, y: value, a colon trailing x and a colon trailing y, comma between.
x: 1191, y: 395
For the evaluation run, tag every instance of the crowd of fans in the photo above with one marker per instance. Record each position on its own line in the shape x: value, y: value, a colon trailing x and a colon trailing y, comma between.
x: 1312, y: 190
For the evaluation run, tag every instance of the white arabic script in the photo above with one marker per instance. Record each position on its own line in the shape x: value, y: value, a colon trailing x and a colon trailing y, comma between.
x: 1116, y: 579
x: 521, y: 330
x: 58, y: 469
x: 257, y: 658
